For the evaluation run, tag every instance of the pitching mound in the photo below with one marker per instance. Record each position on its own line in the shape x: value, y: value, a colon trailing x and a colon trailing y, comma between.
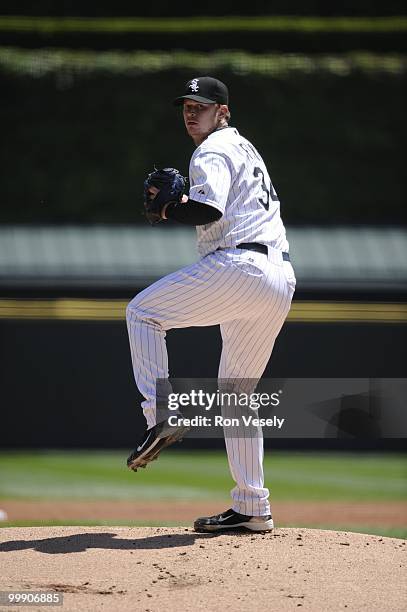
x: 155, y: 569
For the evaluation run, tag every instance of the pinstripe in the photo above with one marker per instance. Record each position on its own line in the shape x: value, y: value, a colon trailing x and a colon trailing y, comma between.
x: 245, y: 293
x: 235, y: 347
x: 187, y: 300
x: 201, y: 303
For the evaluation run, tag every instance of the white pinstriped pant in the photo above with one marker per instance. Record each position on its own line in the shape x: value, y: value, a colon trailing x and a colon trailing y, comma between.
x: 249, y: 295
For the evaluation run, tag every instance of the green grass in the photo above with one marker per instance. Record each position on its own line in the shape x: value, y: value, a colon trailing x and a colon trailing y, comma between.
x: 84, y: 475
x: 199, y: 475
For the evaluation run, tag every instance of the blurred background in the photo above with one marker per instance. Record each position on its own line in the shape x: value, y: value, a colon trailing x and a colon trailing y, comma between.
x: 86, y: 112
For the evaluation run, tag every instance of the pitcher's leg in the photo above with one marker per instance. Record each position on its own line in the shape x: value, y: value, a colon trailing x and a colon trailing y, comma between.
x: 202, y: 294
x: 247, y: 346
x: 149, y: 358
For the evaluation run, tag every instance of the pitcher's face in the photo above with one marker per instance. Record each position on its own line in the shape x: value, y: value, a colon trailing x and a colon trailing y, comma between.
x: 202, y: 119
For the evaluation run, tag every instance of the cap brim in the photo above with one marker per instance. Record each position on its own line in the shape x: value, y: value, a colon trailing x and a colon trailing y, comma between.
x: 179, y: 101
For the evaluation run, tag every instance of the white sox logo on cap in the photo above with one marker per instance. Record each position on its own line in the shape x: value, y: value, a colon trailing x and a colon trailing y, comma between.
x: 194, y: 85
x: 204, y: 89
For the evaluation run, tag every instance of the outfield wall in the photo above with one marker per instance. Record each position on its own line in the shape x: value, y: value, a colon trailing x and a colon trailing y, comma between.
x: 70, y: 383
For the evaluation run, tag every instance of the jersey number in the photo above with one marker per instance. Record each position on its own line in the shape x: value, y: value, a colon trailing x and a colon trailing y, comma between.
x: 264, y: 201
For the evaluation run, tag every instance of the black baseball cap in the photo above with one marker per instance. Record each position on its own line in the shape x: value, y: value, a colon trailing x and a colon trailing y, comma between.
x: 205, y: 89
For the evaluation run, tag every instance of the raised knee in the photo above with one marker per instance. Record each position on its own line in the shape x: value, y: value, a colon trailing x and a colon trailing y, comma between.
x: 137, y: 311
x: 132, y: 309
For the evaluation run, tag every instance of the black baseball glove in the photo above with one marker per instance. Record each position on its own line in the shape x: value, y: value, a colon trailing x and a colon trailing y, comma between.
x: 171, y: 185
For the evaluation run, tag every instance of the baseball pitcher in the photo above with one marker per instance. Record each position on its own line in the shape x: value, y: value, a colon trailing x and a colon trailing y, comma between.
x: 243, y: 281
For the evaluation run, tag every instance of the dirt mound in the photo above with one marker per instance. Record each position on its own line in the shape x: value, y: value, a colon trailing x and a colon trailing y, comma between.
x: 147, y: 568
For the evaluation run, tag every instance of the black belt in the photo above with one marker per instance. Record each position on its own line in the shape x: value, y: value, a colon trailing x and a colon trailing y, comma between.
x: 260, y: 248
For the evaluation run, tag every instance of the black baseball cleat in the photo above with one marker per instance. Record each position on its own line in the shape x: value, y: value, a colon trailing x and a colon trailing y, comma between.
x: 153, y: 442
x: 233, y: 520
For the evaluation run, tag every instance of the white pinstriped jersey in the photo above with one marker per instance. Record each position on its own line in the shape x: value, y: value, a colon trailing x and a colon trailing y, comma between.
x: 227, y: 172
x: 249, y: 301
